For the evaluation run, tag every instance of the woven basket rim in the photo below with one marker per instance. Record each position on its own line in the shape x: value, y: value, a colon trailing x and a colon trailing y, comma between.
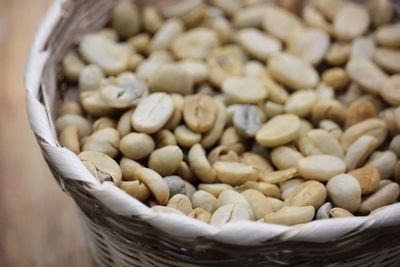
x: 243, y: 232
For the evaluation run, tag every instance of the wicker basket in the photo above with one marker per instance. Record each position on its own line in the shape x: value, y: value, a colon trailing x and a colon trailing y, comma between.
x: 124, y: 232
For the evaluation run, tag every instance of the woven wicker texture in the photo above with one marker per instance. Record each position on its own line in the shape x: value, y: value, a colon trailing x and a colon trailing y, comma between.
x: 147, y: 239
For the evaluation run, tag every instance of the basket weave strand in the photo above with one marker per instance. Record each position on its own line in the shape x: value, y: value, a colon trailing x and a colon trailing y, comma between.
x: 123, y: 232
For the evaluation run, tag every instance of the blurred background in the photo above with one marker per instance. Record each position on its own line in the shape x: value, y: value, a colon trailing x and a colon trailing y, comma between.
x: 39, y: 225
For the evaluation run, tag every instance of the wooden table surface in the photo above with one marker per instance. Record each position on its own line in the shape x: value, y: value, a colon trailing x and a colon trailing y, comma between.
x: 38, y: 222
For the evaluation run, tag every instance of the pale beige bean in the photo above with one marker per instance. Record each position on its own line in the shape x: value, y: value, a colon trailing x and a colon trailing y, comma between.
x: 155, y: 183
x: 395, y: 145
x: 197, y: 69
x: 201, y: 215
x: 152, y: 113
x: 388, y: 35
x: 199, y: 112
x: 285, y: 157
x: 324, y: 91
x: 276, y: 204
x: 329, y: 8
x: 70, y: 107
x: 222, y: 27
x: 391, y: 90
x: 311, y: 193
x: 83, y: 124
x: 204, y: 200
x: 166, y: 34
x: 258, y: 44
x: 336, y: 78
x: 301, y: 102
x: 232, y: 197
x: 273, y: 109
x: 368, y: 177
x: 259, y: 203
x: 224, y: 62
x: 136, y: 145
x: 317, y: 142
x: 340, y: 213
x: 291, y: 215
x: 351, y: 20
x: 69, y: 138
x: 288, y: 186
x: 381, y: 11
x: 111, y: 57
x: 250, y: 17
x: 275, y: 177
x: 165, y: 138
x: 280, y: 22
x: 179, y: 8
x: 280, y: 130
x: 106, y: 167
x: 90, y: 77
x: 362, y: 47
x: 331, y: 127
x: 269, y: 190
x: 232, y: 140
x: 105, y: 141
x: 384, y: 161
x: 136, y: 189
x: 104, y: 122
x: 366, y: 74
x: 128, y: 168
x: 72, y: 66
x: 374, y: 127
x: 292, y: 71
x: 309, y: 44
x: 125, y: 18
x: 221, y: 153
x: 388, y: 59
x: 230, y: 213
x: 244, y: 90
x: 358, y: 111
x: 210, y: 138
x: 152, y: 20
x: 234, y: 173
x: 315, y: 19
x: 180, y: 202
x: 277, y: 93
x: 199, y: 164
x: 185, y: 137
x: 338, y: 53
x: 330, y: 109
x: 185, y: 172
x: 94, y: 105
x: 124, y: 126
x: 391, y: 117
x: 257, y: 161
x: 323, y: 211
x: 163, y: 209
x: 165, y: 160
x: 171, y: 78
x: 195, y: 44
x: 359, y: 151
x: 215, y: 189
x: 345, y: 192
x: 386, y: 195
x: 320, y: 167
x: 397, y: 171
x: 230, y: 7
x: 177, y: 114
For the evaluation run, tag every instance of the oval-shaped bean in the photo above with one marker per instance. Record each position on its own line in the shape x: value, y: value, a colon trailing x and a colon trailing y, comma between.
x: 258, y: 202
x: 391, y: 90
x: 204, y: 200
x: 368, y: 177
x: 311, y: 193
x: 257, y: 43
x: 247, y: 119
x: 83, y: 124
x: 292, y: 71
x: 215, y: 189
x: 386, y: 195
x: 152, y: 113
x: 388, y: 35
x: 136, y: 145
x: 185, y: 137
x: 136, y: 189
x: 230, y: 213
x: 384, y: 162
x: 105, y: 165
x: 171, y: 78
x: 166, y: 34
x: 69, y: 138
x: 155, y: 183
x: 180, y: 202
x: 244, y: 90
x: 345, y: 192
x: 352, y: 20
x: 291, y: 215
x: 199, y: 164
x: 340, y: 213
x: 199, y: 112
x: 234, y: 173
x: 210, y: 138
x: 320, y: 167
x: 201, y: 215
x: 301, y: 102
x: 359, y: 151
x: 317, y: 142
x: 285, y: 157
x: 165, y: 160
x: 388, y: 59
x: 279, y: 130
x: 280, y: 22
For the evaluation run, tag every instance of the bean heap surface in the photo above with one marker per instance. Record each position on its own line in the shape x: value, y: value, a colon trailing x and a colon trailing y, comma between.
x: 242, y: 109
